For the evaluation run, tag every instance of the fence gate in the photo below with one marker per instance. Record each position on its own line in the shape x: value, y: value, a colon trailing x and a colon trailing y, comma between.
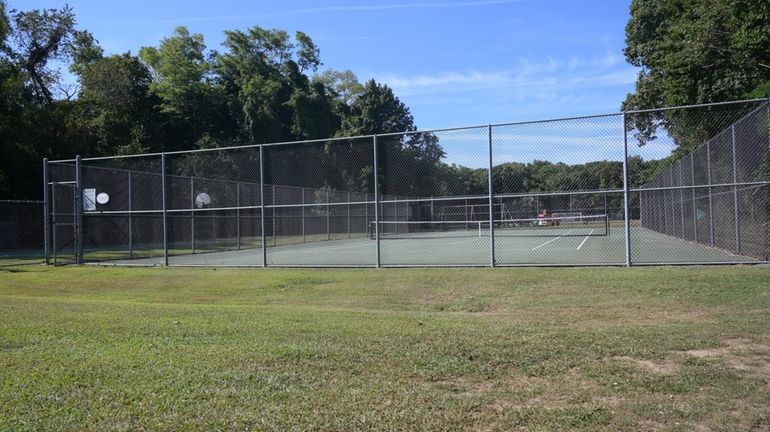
x: 62, y: 210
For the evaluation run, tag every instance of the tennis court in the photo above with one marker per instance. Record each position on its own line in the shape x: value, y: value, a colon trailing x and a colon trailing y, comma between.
x: 558, y: 192
x: 465, y: 249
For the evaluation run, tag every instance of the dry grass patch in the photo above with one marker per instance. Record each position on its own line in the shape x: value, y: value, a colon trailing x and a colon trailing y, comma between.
x: 740, y: 354
x: 665, y: 367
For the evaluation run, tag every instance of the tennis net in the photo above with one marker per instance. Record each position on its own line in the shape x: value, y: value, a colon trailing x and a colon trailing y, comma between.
x: 565, y: 226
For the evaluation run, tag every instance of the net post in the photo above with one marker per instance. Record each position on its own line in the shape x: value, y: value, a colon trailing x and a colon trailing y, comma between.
x: 78, y: 211
x: 303, y: 215
x: 262, y: 204
x: 627, y: 227
x: 694, y: 206
x: 671, y: 194
x: 376, y: 201
x: 491, y: 201
x: 735, y: 195
x: 192, y: 214
x: 465, y: 208
x: 165, y: 207
x: 366, y: 214
x: 681, y: 197
x: 711, y: 210
x: 348, y: 214
x: 46, y: 215
x: 130, y: 216
x: 273, y: 215
x: 238, y: 214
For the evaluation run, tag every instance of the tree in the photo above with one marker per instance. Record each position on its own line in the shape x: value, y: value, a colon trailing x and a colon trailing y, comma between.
x: 695, y: 51
x: 409, y: 163
x: 116, y: 105
x: 39, y: 37
x: 179, y: 70
x: 262, y: 75
x: 344, y: 85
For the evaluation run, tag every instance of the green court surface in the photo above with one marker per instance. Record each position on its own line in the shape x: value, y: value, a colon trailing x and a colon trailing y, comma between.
x: 462, y: 249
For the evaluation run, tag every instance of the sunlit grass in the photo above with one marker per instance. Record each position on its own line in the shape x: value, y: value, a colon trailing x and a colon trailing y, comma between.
x: 85, y: 348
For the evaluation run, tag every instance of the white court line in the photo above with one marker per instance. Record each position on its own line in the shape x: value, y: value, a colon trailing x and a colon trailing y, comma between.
x: 585, y: 239
x: 553, y: 239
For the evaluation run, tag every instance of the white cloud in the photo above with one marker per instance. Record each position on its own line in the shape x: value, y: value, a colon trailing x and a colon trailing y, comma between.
x: 327, y: 9
x: 543, y: 80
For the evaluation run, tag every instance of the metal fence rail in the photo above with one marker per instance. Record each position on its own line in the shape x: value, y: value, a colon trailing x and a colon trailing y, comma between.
x: 370, y: 201
x: 21, y: 233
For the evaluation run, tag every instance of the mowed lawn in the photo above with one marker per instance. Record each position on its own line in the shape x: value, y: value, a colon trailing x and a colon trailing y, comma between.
x: 89, y: 348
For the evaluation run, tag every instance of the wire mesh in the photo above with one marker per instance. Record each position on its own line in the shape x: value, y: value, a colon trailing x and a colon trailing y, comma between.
x: 62, y: 192
x: 695, y: 181
x: 22, y: 241
x: 319, y: 201
x: 570, y: 167
x: 127, y: 221
x: 704, y: 187
x: 434, y: 176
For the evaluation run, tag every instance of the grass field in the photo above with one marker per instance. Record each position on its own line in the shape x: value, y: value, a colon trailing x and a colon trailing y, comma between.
x: 90, y: 348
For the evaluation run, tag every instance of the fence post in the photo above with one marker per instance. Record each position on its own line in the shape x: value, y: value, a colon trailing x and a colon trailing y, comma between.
x: 491, y: 201
x: 735, y: 196
x: 262, y: 204
x: 78, y: 212
x: 238, y: 214
x: 165, y: 207
x: 376, y: 201
x: 192, y: 214
x: 54, y: 224
x: 627, y: 226
x: 328, y: 210
x: 130, y: 217
x: 46, y: 216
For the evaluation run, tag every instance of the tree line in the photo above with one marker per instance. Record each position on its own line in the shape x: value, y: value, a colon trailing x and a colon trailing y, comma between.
x: 265, y: 85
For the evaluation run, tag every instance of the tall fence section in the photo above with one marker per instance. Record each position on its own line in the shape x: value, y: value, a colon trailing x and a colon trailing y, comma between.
x: 21, y: 232
x: 671, y: 186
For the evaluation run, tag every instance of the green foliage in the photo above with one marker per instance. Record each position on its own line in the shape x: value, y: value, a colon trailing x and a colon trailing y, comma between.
x: 179, y: 70
x: 344, y: 85
x: 38, y: 38
x: 116, y: 107
x: 262, y: 86
x: 376, y: 111
x: 694, y: 51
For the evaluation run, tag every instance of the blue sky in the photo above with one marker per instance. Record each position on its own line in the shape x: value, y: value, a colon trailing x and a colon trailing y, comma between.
x: 453, y: 62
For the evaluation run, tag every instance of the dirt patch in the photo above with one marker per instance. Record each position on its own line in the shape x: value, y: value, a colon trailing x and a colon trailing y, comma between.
x: 665, y: 367
x: 740, y: 354
x: 517, y: 391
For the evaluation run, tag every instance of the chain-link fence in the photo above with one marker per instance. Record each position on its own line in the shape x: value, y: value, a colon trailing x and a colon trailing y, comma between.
x: 717, y: 194
x: 21, y: 233
x: 682, y: 185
